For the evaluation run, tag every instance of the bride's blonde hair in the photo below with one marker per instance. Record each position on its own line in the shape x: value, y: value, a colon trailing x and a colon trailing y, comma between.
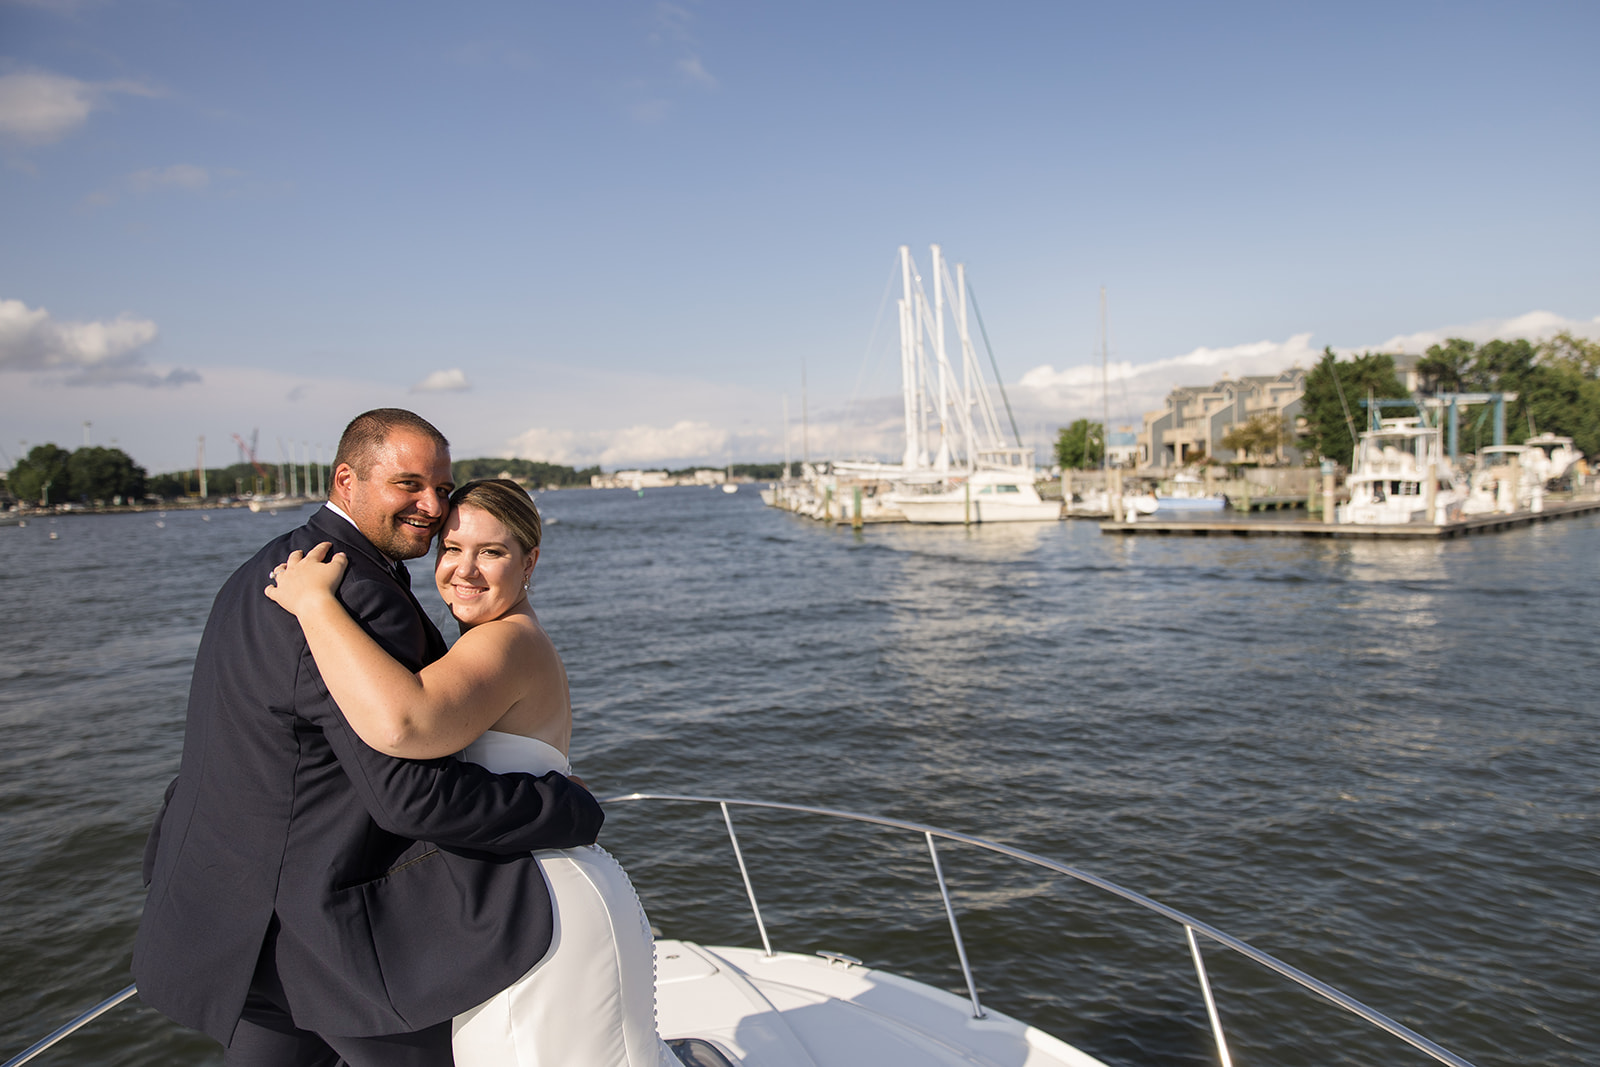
x: 506, y: 501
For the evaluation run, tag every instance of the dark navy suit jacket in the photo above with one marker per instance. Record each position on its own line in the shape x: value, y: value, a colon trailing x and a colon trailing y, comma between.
x: 404, y: 890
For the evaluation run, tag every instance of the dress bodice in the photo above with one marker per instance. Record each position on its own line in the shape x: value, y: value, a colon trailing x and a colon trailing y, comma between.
x: 504, y: 753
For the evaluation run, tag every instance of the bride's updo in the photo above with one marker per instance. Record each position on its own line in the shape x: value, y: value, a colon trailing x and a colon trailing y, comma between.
x: 506, y: 501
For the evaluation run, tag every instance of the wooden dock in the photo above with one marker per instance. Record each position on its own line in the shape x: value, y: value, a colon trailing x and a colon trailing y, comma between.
x: 1248, y: 527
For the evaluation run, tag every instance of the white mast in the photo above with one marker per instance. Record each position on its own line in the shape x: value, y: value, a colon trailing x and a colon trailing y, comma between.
x: 942, y: 461
x: 1105, y: 388
x: 912, y: 457
x: 805, y: 426
x: 785, y: 436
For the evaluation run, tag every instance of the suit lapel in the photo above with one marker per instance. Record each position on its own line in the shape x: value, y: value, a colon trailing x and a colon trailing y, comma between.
x: 331, y: 527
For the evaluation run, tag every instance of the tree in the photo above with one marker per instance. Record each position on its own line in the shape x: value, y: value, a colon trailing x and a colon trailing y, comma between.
x: 1575, y: 355
x: 1332, y: 401
x: 1555, y: 383
x: 169, y: 486
x: 103, y: 474
x: 1261, y: 435
x: 1446, y: 367
x: 41, y: 476
x: 1081, y: 446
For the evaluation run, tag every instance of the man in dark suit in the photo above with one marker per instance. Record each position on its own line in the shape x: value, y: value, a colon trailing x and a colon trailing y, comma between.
x: 311, y: 900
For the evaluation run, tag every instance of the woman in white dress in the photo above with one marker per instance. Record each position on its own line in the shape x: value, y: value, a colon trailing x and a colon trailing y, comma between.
x: 499, y: 698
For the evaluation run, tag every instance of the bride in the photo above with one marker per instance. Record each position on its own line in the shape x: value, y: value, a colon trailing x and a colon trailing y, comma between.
x: 499, y: 698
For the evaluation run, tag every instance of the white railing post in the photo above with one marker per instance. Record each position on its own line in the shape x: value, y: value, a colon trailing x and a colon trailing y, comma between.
x: 749, y: 890
x: 1211, y: 1004
x: 955, y: 929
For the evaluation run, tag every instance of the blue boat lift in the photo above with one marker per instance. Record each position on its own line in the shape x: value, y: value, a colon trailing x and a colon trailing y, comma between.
x: 1452, y: 403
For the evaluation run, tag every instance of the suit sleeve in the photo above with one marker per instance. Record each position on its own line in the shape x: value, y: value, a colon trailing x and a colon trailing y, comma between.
x: 451, y: 802
x: 442, y: 801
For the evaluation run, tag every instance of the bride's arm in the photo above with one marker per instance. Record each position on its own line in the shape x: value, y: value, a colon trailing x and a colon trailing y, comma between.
x: 434, y: 712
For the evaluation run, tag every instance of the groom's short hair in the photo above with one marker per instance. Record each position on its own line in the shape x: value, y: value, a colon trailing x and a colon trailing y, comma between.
x: 368, y: 430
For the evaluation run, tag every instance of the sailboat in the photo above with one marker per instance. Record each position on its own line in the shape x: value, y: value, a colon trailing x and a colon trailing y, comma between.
x: 956, y: 466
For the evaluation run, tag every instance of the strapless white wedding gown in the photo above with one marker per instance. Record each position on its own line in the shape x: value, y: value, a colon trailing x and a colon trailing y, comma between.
x: 591, y: 1002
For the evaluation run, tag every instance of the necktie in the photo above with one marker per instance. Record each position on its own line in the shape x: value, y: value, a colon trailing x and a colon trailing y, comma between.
x: 402, y: 574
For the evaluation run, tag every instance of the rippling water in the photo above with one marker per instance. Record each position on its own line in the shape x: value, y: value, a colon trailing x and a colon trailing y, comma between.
x: 1377, y: 762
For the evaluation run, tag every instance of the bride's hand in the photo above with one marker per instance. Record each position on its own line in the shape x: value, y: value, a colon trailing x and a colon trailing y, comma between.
x: 305, y: 577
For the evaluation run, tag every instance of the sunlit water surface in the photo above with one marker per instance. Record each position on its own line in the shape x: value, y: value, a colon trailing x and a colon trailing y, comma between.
x: 1375, y: 761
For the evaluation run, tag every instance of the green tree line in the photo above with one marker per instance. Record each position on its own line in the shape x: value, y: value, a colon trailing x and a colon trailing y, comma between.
x: 49, y: 474
x: 1557, y: 384
x: 527, y: 471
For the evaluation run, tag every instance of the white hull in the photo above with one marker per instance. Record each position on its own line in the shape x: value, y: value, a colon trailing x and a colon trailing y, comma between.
x: 984, y: 496
x: 942, y: 511
x: 1190, y: 503
x: 276, y: 504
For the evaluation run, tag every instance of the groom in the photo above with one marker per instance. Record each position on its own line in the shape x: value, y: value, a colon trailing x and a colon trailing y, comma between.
x: 312, y: 901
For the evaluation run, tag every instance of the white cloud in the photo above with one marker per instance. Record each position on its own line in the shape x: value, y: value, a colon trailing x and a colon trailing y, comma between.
x: 1136, y: 388
x: 31, y: 340
x: 686, y: 441
x: 1534, y: 326
x: 453, y: 380
x: 694, y: 70
x: 181, y: 176
x: 86, y: 353
x: 1045, y: 392
x: 37, y: 107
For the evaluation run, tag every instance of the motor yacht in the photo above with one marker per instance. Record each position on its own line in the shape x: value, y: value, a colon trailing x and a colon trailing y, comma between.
x: 1401, y: 476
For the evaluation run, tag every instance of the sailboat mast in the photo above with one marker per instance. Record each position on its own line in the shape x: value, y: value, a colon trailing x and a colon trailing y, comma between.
x: 1105, y: 387
x: 805, y: 425
x: 911, y: 458
x: 785, y: 436
x: 943, y: 461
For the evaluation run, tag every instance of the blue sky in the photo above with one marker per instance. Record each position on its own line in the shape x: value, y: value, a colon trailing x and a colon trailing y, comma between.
x: 612, y: 232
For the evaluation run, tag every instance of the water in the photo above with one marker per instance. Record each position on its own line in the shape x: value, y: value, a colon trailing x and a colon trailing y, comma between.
x: 1375, y: 761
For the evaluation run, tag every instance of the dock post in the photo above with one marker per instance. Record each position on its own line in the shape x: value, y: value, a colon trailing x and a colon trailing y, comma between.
x: 855, y: 513
x: 1247, y: 494
x: 1066, y: 490
x: 1114, y: 493
x: 1328, y: 506
x: 1430, y: 494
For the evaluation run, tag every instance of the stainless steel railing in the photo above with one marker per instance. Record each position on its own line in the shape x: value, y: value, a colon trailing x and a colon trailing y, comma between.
x: 1191, y: 927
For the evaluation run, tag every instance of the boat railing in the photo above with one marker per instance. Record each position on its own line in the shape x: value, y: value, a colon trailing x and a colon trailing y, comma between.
x: 931, y: 836
x: 1191, y: 926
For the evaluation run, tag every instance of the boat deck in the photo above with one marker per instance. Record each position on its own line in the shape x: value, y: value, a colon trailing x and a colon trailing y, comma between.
x: 788, y: 1010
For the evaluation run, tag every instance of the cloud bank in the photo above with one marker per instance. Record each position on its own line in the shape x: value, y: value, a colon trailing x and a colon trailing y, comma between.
x: 90, y: 353
x: 683, y: 443
x: 1133, y: 389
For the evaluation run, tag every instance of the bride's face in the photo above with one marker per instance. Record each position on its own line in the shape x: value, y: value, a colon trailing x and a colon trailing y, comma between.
x: 482, y: 571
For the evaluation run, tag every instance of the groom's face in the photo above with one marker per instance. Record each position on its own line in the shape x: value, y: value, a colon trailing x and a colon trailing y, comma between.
x: 402, y: 501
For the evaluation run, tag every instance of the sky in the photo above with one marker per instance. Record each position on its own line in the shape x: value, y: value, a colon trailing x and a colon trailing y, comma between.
x: 633, y: 234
